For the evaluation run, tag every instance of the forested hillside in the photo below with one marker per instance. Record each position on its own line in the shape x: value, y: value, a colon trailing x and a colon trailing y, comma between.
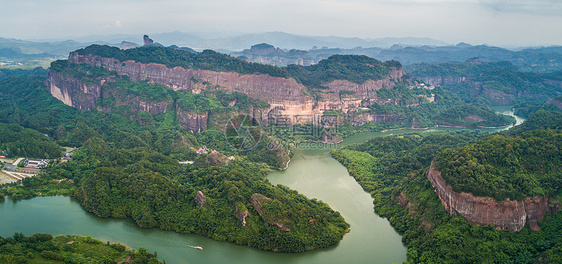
x: 206, y: 60
x: 126, y: 168
x: 44, y: 248
x: 479, y: 82
x: 393, y: 170
x: 16, y: 141
x: 157, y: 192
x: 505, y: 167
x: 336, y: 83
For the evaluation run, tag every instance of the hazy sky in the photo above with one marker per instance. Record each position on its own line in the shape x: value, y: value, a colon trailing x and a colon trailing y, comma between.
x: 495, y: 22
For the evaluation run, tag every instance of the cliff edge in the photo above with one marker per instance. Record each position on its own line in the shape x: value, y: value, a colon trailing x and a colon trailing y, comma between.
x: 504, y: 215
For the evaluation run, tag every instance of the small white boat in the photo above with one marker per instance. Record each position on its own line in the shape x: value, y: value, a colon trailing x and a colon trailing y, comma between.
x: 200, y: 248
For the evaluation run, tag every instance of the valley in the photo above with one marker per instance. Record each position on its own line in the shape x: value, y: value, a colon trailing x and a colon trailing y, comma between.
x: 135, y: 113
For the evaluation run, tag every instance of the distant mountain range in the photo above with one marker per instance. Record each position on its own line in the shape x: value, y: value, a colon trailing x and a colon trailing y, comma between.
x: 24, y: 49
x: 304, y: 50
x: 278, y: 39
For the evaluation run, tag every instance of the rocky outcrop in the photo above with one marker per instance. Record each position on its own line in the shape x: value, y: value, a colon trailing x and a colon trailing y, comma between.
x: 498, y: 97
x: 268, y: 54
x: 200, y: 199
x: 125, y: 45
x: 263, y: 49
x: 358, y: 92
x: 195, y: 123
x: 504, y: 215
x: 147, y: 40
x: 72, y: 91
x: 258, y: 200
x: 241, y: 215
x: 556, y: 102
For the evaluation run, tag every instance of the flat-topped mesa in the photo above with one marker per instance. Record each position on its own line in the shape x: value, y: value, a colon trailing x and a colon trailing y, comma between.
x: 504, y: 215
x: 258, y: 86
x: 284, y: 93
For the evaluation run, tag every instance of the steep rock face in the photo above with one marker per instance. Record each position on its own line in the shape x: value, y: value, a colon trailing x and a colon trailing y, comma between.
x: 498, y: 97
x: 262, y: 87
x: 80, y: 95
x: 138, y: 104
x: 72, y: 92
x: 200, y: 199
x: 333, y: 100
x: 505, y: 215
x: 283, y: 94
x: 191, y: 121
x: 241, y: 215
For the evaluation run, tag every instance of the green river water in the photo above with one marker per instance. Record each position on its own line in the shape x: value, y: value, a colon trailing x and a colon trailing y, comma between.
x: 312, y: 172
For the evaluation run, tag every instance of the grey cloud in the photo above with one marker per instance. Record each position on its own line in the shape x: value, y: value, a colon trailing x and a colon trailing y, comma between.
x: 537, y: 7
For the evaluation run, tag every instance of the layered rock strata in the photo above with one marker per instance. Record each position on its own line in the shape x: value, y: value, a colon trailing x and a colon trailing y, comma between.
x: 284, y: 94
x: 72, y: 91
x: 504, y: 215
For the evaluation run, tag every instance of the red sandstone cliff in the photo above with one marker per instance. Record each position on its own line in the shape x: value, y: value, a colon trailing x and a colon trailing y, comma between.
x: 504, y: 215
x: 258, y: 86
x: 284, y: 94
x: 288, y: 99
x: 72, y: 91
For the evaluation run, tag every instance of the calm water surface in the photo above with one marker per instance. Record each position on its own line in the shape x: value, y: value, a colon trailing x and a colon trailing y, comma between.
x: 312, y: 172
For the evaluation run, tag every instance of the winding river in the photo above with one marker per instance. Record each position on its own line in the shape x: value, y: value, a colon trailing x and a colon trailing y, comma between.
x: 312, y: 172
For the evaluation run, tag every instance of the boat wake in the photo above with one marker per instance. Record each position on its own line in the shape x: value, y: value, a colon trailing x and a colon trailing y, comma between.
x: 195, y: 247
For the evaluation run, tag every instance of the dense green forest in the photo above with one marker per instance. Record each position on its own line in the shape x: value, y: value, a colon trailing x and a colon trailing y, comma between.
x: 524, y: 109
x: 411, y: 109
x: 16, y: 141
x: 156, y: 191
x: 357, y: 69
x: 503, y: 167
x: 492, y: 82
x: 472, y: 116
x: 128, y: 169
x: 44, y: 248
x: 446, y: 110
x: 393, y: 170
x: 38, y: 71
x: 468, y: 68
x: 206, y: 60
x: 542, y: 119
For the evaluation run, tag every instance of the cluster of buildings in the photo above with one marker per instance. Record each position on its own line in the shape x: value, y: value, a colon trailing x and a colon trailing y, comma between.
x: 205, y: 150
x: 36, y: 163
x: 29, y: 165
